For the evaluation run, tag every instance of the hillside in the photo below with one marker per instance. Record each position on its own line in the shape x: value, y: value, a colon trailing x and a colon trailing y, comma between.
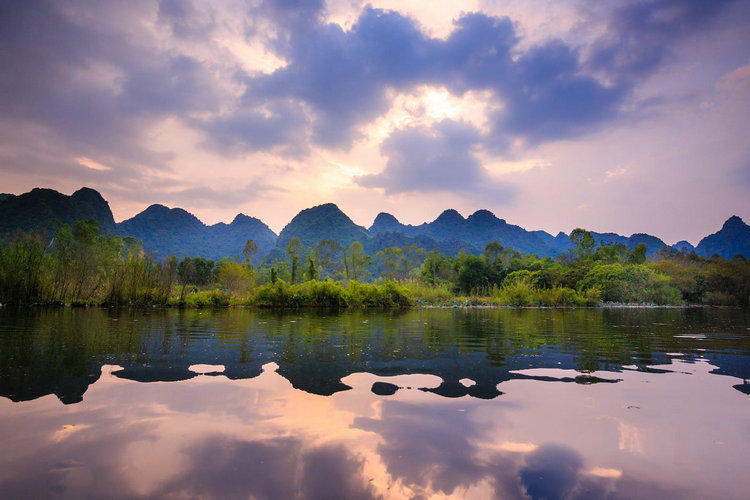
x: 174, y: 231
x: 42, y: 210
x: 323, y: 222
x: 733, y: 238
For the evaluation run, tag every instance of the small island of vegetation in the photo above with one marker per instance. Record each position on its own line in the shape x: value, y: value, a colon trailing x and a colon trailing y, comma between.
x: 82, y: 266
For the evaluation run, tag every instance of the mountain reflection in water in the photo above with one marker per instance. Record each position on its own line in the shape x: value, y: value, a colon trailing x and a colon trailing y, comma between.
x: 464, y: 403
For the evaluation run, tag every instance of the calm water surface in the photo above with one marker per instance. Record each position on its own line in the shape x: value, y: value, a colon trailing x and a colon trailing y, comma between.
x: 632, y: 403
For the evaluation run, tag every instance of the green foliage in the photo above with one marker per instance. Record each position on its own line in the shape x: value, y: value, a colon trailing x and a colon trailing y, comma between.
x: 356, y: 262
x: 208, y: 298
x: 294, y: 251
x: 233, y: 276
x: 583, y: 243
x: 638, y: 254
x: 473, y: 274
x: 631, y: 284
x: 329, y: 294
x: 250, y: 251
x: 81, y: 266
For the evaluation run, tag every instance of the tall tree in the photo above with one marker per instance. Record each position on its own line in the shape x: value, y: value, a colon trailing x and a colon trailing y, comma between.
x: 356, y: 262
x: 250, y: 250
x: 583, y: 243
x: 294, y: 251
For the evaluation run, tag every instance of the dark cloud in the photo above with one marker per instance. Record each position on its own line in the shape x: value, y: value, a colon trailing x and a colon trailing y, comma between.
x: 427, y: 445
x: 435, y: 159
x: 343, y: 76
x: 548, y: 98
x: 207, y: 196
x: 91, y: 91
x: 281, y: 126
x: 185, y: 20
x: 273, y: 468
x: 640, y: 35
x: 94, y: 85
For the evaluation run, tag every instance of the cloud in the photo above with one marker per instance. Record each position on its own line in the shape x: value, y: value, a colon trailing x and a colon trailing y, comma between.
x: 158, y: 89
x: 185, y: 20
x: 640, y: 35
x: 344, y: 77
x: 272, y: 468
x: 281, y: 126
x: 435, y: 159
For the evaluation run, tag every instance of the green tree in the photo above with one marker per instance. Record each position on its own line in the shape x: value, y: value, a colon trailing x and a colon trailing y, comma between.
x: 391, y: 260
x: 356, y: 262
x: 583, y: 243
x: 250, y: 250
x: 294, y: 251
x: 473, y: 274
x: 233, y: 276
x: 327, y: 252
x: 312, y: 271
x: 638, y: 254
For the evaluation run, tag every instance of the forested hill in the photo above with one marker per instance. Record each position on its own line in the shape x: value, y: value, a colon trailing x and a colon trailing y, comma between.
x: 43, y: 210
x: 174, y: 231
x: 731, y: 240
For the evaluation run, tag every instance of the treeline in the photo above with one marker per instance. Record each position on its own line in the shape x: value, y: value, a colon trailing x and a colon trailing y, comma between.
x: 82, y: 266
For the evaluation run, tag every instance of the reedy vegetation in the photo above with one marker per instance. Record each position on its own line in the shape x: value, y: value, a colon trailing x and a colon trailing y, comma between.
x: 81, y: 266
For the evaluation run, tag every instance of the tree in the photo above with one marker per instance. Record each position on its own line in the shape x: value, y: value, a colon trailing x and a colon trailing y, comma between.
x: 473, y: 274
x: 438, y: 268
x: 250, y: 250
x: 327, y: 252
x: 185, y: 275
x: 356, y: 262
x: 583, y: 243
x: 294, y: 251
x: 391, y: 259
x: 638, y: 254
x: 233, y: 276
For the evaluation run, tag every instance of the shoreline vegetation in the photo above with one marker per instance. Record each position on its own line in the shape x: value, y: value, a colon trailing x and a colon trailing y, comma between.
x: 82, y: 267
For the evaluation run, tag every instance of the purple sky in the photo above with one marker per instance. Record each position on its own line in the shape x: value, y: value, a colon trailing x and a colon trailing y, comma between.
x: 624, y: 116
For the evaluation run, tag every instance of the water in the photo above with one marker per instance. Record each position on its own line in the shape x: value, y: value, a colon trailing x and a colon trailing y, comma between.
x: 632, y: 403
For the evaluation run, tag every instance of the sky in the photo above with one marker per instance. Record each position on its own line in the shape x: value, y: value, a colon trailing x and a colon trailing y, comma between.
x: 622, y: 116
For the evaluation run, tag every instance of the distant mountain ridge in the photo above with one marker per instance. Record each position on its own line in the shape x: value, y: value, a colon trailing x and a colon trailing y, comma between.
x: 42, y: 210
x: 732, y: 239
x: 174, y: 231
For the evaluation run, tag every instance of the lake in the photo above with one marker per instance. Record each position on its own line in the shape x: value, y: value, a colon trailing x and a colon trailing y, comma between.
x: 425, y: 403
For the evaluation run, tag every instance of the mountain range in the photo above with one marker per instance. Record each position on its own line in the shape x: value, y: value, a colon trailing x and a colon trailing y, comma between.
x: 174, y: 231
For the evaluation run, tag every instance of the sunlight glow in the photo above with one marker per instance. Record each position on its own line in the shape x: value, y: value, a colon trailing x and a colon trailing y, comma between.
x: 518, y: 447
x: 602, y: 472
x: 427, y: 105
x: 92, y: 164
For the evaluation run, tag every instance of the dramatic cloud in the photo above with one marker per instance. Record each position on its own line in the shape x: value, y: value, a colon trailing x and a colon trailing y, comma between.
x: 439, y: 159
x: 329, y: 101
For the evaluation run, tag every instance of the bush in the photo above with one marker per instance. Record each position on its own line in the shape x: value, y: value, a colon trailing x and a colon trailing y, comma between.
x: 517, y: 292
x: 278, y: 294
x: 208, y: 298
x: 322, y: 294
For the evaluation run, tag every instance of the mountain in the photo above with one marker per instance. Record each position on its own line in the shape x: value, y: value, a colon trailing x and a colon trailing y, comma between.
x: 174, y: 231
x: 653, y: 244
x: 733, y: 238
x: 229, y: 239
x: 323, y: 222
x: 41, y: 210
x: 452, y: 247
x: 474, y: 232
x: 683, y: 246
